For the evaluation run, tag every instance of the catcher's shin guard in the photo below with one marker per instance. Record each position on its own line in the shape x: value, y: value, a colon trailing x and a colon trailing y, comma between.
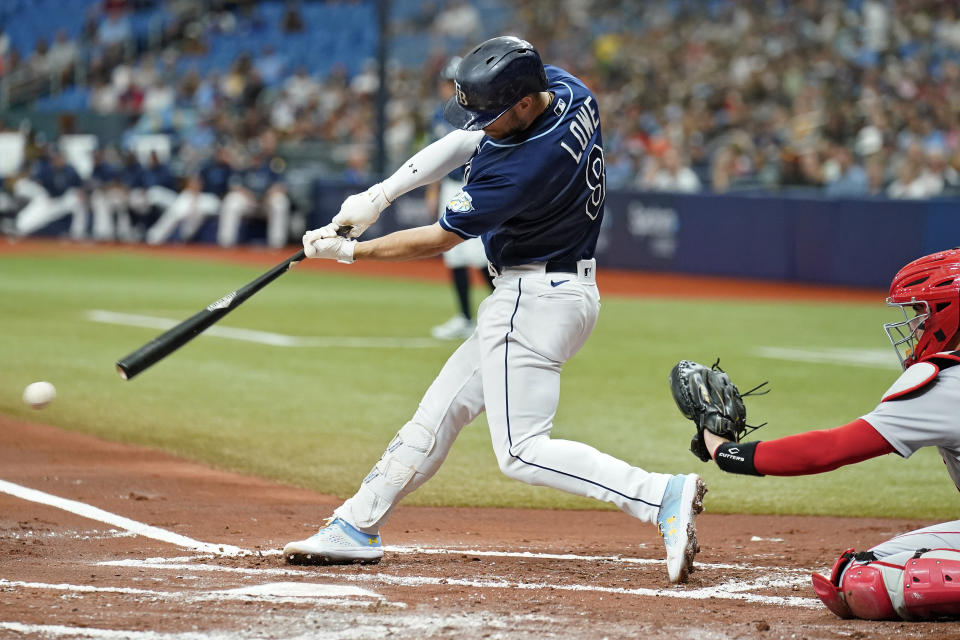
x: 860, y: 592
x: 865, y: 592
x: 931, y: 585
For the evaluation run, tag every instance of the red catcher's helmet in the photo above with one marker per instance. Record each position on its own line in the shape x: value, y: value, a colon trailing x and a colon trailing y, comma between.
x: 929, y: 286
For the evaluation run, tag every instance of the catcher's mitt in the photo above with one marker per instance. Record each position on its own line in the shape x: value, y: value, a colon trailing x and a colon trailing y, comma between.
x: 707, y: 396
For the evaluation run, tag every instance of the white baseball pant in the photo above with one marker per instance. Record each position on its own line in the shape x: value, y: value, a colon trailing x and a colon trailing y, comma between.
x: 188, y: 210
x: 44, y: 209
x: 109, y: 205
x: 527, y: 328
x: 239, y: 204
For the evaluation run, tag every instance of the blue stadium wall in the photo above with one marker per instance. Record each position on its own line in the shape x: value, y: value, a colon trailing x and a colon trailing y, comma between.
x: 859, y: 243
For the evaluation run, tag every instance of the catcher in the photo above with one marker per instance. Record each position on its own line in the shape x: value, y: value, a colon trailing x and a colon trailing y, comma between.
x: 916, y: 575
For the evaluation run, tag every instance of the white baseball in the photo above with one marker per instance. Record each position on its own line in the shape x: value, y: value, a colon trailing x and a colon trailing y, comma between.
x: 39, y: 394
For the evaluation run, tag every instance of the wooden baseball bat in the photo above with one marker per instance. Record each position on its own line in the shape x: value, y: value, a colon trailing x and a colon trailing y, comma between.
x: 174, y: 338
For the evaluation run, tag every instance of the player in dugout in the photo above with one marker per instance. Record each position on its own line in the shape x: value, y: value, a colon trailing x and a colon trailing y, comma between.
x: 530, y: 138
x: 916, y: 575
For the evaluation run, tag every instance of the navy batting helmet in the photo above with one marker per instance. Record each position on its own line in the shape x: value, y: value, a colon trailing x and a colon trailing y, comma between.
x: 491, y: 79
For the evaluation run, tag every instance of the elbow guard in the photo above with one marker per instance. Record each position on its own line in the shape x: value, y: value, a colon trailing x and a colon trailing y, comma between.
x: 737, y: 457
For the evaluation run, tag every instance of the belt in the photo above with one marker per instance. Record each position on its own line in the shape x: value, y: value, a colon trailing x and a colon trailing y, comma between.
x: 584, y: 270
x: 553, y: 266
x: 559, y: 266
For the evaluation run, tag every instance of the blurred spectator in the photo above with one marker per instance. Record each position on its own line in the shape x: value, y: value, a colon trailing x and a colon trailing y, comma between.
x: 63, y: 53
x: 851, y: 179
x: 357, y: 171
x: 115, y: 30
x: 292, y: 20
x: 6, y: 63
x: 258, y: 189
x: 458, y: 19
x: 908, y: 183
x: 103, y: 97
x: 156, y: 190
x: 108, y: 198
x: 876, y: 175
x: 200, y: 198
x: 53, y: 190
x: 619, y: 169
x: 38, y: 62
x: 670, y: 173
x: 270, y: 65
x: 933, y: 174
x: 300, y: 88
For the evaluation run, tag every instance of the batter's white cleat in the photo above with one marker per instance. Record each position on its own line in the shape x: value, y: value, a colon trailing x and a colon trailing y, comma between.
x: 336, y: 543
x: 456, y: 328
x: 682, y: 501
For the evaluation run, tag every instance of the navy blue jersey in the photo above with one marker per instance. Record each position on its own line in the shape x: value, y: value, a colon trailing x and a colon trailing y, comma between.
x: 158, y: 175
x: 216, y: 178
x: 538, y: 196
x: 57, y: 180
x: 103, y: 173
x: 259, y: 178
x: 131, y: 174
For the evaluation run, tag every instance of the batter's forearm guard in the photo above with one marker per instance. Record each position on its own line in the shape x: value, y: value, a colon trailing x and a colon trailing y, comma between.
x: 737, y: 457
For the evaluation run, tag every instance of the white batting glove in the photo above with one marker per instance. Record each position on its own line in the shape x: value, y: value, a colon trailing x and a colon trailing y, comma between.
x: 327, y: 231
x: 316, y: 245
x: 361, y: 210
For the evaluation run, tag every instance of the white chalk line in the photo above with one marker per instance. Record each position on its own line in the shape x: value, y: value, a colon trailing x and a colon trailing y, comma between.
x: 873, y: 358
x: 57, y: 630
x: 139, y: 528
x: 264, y: 337
x: 731, y: 590
x: 274, y: 592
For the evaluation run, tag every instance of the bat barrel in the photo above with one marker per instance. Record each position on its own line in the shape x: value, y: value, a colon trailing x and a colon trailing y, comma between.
x: 174, y: 338
x: 167, y: 342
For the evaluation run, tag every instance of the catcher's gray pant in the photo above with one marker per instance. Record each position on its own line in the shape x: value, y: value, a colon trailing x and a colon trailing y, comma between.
x: 527, y: 328
x: 898, y: 550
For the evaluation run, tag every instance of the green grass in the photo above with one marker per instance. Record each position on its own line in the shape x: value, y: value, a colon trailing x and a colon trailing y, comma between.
x: 319, y: 418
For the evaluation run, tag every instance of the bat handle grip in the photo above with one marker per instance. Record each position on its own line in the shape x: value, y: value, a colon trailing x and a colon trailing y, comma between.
x: 301, y: 255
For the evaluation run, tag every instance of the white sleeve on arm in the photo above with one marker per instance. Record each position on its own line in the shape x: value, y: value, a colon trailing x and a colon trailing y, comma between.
x: 432, y: 162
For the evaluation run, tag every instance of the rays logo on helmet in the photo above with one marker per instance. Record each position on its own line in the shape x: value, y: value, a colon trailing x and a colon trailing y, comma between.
x: 461, y: 96
x: 461, y: 203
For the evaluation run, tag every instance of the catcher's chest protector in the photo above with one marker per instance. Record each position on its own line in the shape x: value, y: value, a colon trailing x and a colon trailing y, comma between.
x: 921, y: 374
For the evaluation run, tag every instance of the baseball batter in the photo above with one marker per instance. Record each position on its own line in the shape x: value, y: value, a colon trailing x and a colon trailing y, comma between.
x: 914, y: 576
x: 534, y: 192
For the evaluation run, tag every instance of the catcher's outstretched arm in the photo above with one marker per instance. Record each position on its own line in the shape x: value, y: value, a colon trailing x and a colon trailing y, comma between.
x: 800, y: 454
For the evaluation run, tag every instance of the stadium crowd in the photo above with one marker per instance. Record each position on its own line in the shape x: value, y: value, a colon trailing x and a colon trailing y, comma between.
x: 850, y: 98
x: 843, y: 98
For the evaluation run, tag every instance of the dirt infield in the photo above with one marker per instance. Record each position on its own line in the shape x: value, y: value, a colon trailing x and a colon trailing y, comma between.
x: 109, y: 541
x: 103, y: 540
